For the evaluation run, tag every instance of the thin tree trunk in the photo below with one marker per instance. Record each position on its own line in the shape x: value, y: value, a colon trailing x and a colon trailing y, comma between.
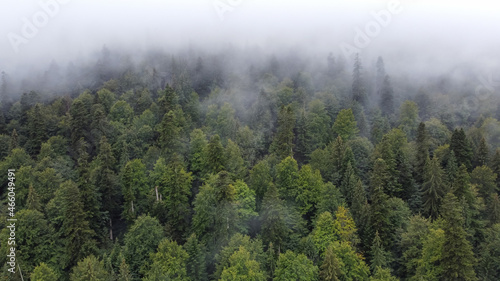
x: 156, y: 189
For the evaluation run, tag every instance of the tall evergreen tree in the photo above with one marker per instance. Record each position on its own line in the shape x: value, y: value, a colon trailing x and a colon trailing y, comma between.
x: 457, y: 259
x: 422, y: 154
x: 282, y: 144
x: 482, y: 153
x: 358, y: 91
x: 387, y: 97
x: 433, y: 188
x: 460, y: 145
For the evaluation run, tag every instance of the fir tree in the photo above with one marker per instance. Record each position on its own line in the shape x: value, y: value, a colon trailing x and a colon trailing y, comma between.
x: 457, y: 257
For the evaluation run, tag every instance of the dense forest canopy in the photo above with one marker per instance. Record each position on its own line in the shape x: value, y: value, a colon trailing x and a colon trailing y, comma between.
x: 249, y: 140
x: 226, y: 166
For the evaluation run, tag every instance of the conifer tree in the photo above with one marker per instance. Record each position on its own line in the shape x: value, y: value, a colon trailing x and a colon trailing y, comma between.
x: 387, y: 97
x: 433, y: 188
x: 282, y: 144
x: 457, y: 257
x: 358, y: 91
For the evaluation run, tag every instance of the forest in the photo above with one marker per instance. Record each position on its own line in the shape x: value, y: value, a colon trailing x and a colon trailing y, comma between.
x: 242, y: 165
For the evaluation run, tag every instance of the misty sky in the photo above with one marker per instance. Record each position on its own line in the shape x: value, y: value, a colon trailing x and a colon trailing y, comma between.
x: 424, y: 33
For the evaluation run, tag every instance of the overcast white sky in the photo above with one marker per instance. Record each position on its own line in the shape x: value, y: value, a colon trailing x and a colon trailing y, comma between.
x: 425, y: 32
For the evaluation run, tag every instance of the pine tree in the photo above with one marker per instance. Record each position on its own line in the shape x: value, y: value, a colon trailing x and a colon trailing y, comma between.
x: 422, y: 155
x: 379, y: 257
x: 274, y: 228
x: 387, y: 97
x: 457, y: 257
x: 330, y: 268
x: 75, y: 230
x: 134, y: 189
x: 215, y: 161
x: 345, y: 126
x: 175, y: 186
x: 433, y: 188
x: 282, y: 144
x: 168, y: 263
x: 358, y: 91
x: 195, y: 263
x: 89, y: 269
x: 482, y: 153
x: 460, y: 145
x: 495, y: 166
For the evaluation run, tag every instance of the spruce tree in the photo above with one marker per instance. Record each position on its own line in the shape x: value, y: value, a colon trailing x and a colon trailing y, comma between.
x: 433, y: 188
x: 330, y: 268
x: 358, y: 91
x: 457, y: 257
x: 282, y: 144
x: 422, y: 155
x: 387, y: 97
x: 460, y: 145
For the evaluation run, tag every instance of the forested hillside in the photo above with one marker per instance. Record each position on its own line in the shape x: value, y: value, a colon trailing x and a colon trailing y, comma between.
x: 229, y: 166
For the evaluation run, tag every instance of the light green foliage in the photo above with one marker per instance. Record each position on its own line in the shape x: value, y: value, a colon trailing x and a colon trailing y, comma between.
x: 317, y: 125
x: 429, y: 265
x: 242, y: 267
x: 252, y: 248
x: 309, y: 186
x: 295, y: 267
x: 330, y: 268
x: 352, y: 264
x: 260, y: 179
x: 134, y: 189
x: 43, y: 272
x: 168, y: 263
x: 89, y: 269
x: 140, y: 241
x: 197, y: 157
x: 382, y: 274
x: 345, y: 226
x: 325, y: 232
x: 345, y: 126
x: 287, y: 178
x: 245, y: 204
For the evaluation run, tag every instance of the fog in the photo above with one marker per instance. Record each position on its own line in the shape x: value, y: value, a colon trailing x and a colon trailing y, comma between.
x: 415, y: 38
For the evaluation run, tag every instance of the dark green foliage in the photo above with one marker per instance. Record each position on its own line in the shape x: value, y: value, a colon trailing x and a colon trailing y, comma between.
x: 433, y: 188
x: 460, y: 145
x: 422, y: 152
x: 215, y: 161
x: 282, y: 144
x: 141, y: 240
x: 458, y: 258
